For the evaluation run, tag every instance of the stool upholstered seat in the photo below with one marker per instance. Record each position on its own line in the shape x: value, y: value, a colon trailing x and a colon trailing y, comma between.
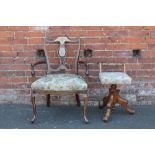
x: 114, y: 78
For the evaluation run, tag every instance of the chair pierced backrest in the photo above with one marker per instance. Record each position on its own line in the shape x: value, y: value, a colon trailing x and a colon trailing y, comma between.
x: 61, y: 53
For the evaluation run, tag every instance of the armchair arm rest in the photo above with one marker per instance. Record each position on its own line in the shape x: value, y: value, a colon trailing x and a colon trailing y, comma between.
x: 33, y: 70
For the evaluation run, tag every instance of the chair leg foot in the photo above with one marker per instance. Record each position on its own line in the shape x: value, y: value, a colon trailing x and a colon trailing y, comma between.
x: 110, y: 104
x: 105, y: 101
x: 48, y: 100
x: 85, y: 108
x: 107, y: 115
x: 78, y: 100
x: 124, y: 104
x: 34, y: 109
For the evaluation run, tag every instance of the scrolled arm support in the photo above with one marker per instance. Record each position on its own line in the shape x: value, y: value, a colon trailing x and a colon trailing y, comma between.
x: 33, y: 69
x: 86, y: 67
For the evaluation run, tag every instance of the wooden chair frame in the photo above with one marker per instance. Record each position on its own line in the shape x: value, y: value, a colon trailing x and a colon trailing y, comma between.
x: 62, y: 68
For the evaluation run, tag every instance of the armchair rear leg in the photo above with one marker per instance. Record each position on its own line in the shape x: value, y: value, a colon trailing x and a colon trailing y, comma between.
x: 105, y: 101
x: 48, y: 100
x: 124, y: 104
x: 78, y: 100
x: 85, y: 108
x: 34, y: 109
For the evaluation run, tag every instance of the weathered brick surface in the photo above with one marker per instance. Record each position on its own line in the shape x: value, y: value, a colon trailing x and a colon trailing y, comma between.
x: 111, y: 44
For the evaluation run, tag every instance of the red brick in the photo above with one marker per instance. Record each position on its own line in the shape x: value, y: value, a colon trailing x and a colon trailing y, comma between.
x: 29, y: 60
x: 145, y: 73
x: 152, y: 54
x: 20, y: 41
x: 35, y: 41
x: 52, y: 47
x: 3, y: 79
x: 6, y: 60
x: 100, y: 59
x: 35, y: 34
x: 102, y: 53
x: 5, y: 48
x: 124, y: 60
x: 6, y: 41
x: 68, y: 54
x: 59, y: 28
x: 20, y: 34
x: 150, y: 40
x: 149, y: 27
x: 53, y: 35
x: 32, y: 48
x: 18, y: 73
x: 133, y: 66
x: 122, y: 54
x: 27, y: 54
x: 18, y: 47
x: 4, y: 67
x: 130, y: 40
x: 112, y: 27
x: 151, y: 46
x: 4, y: 34
x: 146, y: 60
x: 8, y: 54
x: 116, y: 33
x: 18, y: 79
x: 20, y: 67
x: 5, y: 73
x: 134, y: 27
x: 80, y: 28
x: 137, y: 46
x: 152, y: 33
x: 3, y: 28
x: 148, y: 66
x: 5, y: 86
x: 138, y: 33
x: 18, y: 28
x: 89, y: 28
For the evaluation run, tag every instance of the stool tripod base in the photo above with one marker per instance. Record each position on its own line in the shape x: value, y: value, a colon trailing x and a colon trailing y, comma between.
x: 113, y: 98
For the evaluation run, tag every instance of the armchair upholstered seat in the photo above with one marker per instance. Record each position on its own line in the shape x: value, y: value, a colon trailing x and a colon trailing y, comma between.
x: 60, y: 82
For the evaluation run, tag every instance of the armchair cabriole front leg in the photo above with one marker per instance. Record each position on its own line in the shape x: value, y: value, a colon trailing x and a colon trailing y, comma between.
x: 33, y: 108
x: 85, y: 108
x: 32, y: 92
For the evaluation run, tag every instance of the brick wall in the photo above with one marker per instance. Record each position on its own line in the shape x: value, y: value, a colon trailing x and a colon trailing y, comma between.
x: 18, y: 46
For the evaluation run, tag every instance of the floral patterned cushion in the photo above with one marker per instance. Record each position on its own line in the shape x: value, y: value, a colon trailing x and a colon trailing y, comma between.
x: 114, y: 78
x: 60, y: 82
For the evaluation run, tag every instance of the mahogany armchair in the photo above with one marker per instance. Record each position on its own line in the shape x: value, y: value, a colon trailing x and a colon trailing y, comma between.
x: 61, y: 79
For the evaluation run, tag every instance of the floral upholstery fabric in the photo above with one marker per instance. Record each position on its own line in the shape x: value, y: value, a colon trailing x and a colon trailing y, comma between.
x: 60, y: 82
x: 114, y: 78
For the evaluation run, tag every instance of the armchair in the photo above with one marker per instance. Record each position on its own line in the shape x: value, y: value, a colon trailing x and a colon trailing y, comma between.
x: 61, y: 79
